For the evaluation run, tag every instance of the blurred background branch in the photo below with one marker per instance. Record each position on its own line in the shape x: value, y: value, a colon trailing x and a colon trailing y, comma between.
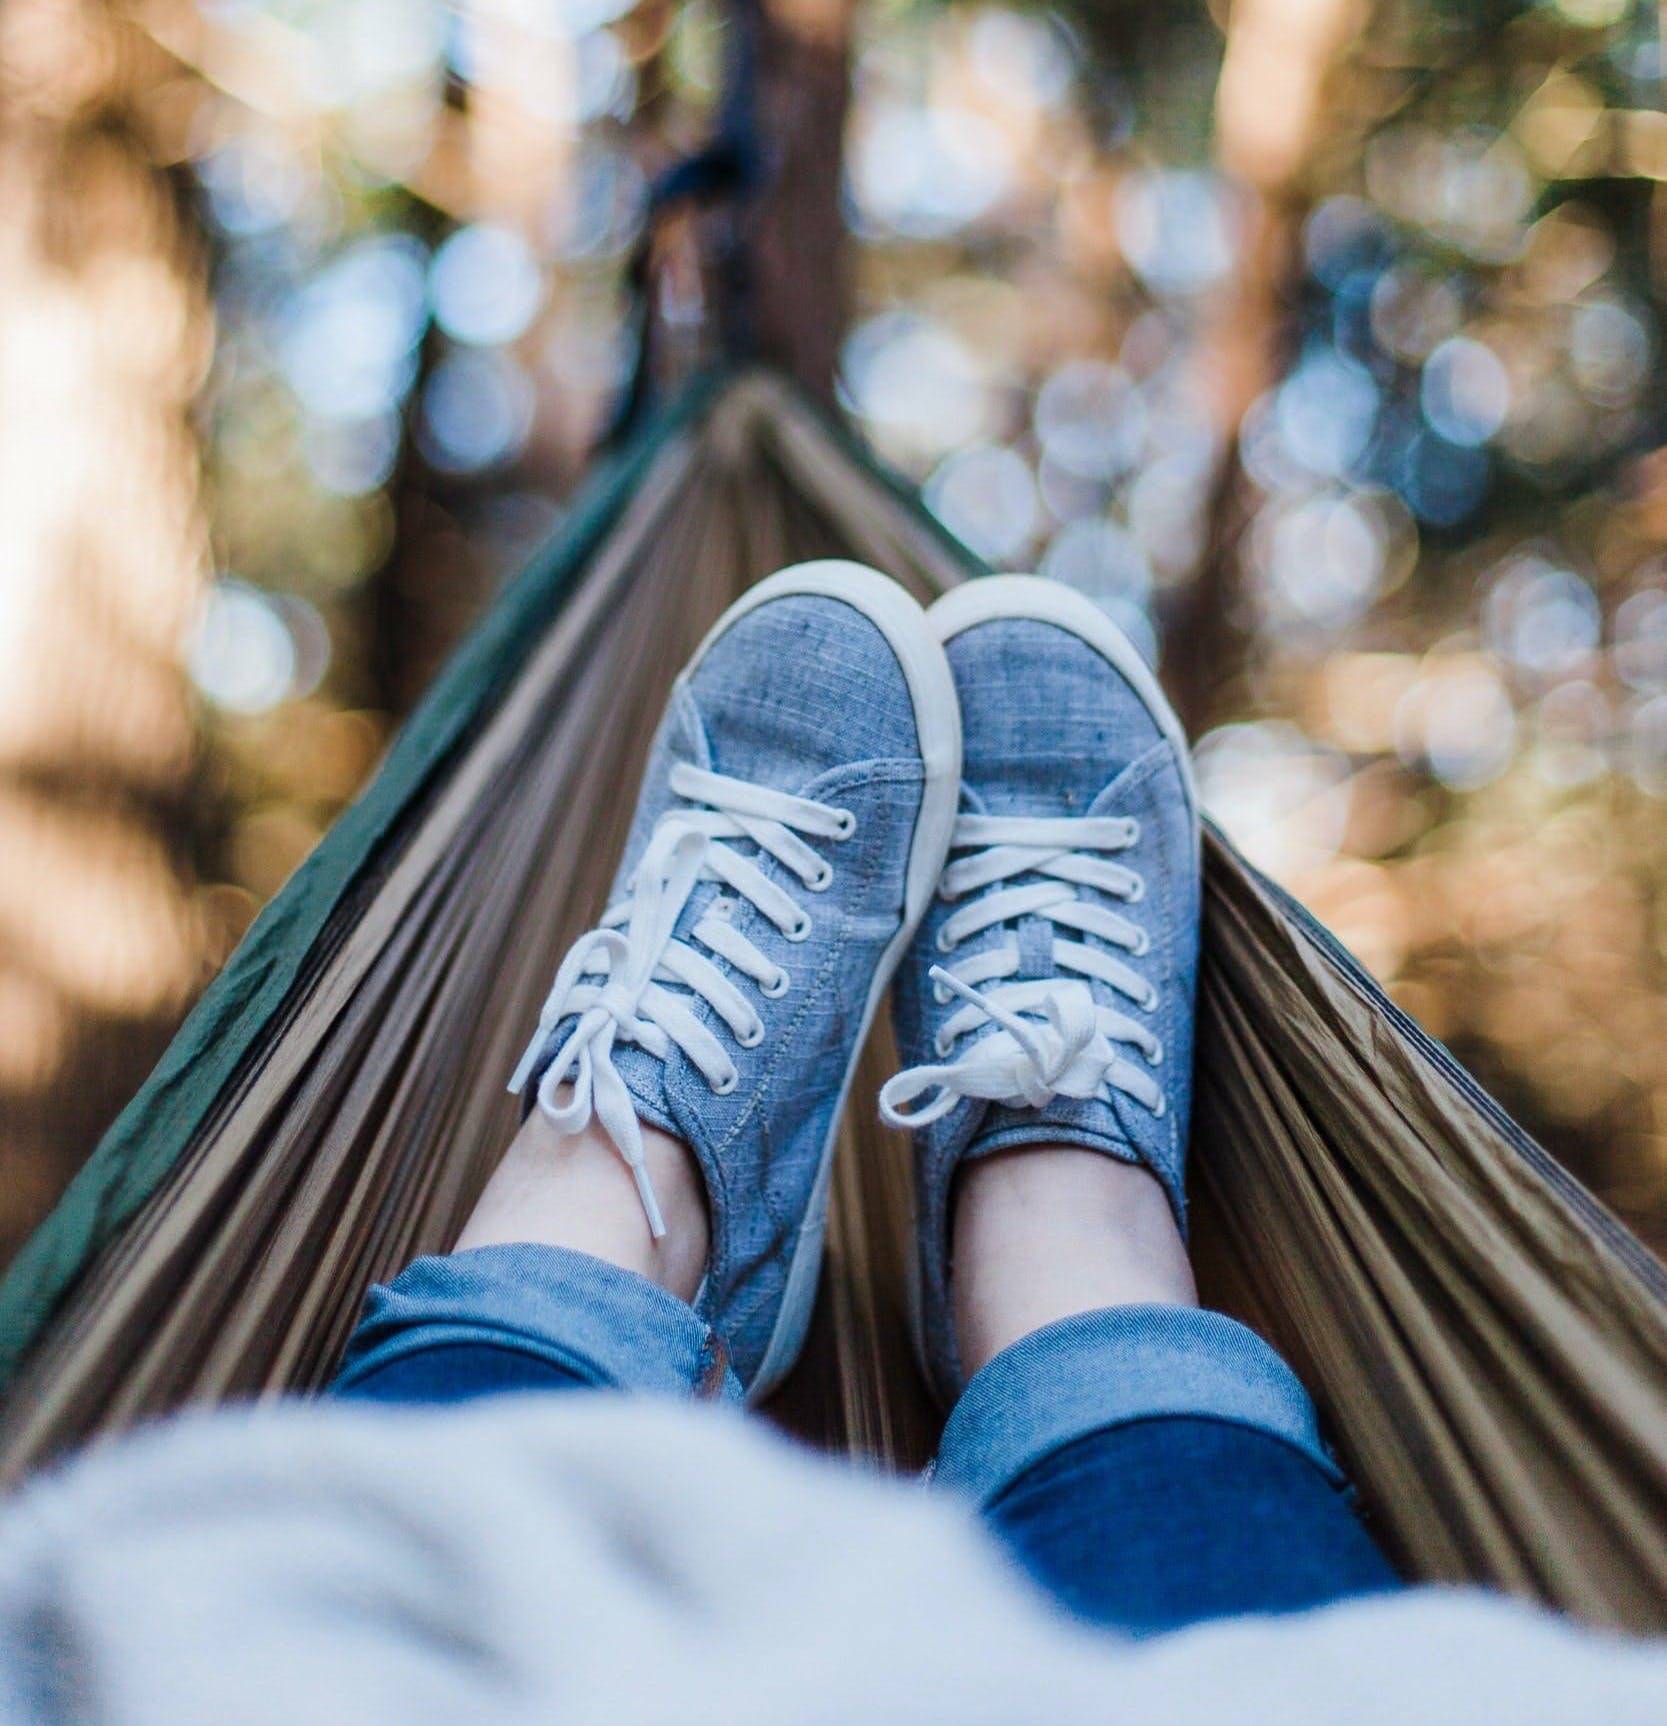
x: 1281, y: 60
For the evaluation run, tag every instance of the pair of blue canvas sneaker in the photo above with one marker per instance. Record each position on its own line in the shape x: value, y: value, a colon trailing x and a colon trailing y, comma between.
x: 989, y: 802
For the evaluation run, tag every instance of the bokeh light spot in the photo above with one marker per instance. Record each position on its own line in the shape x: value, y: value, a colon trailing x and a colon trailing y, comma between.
x: 1325, y: 411
x: 1177, y: 228
x: 348, y: 347
x: 986, y: 496
x: 243, y: 656
x: 1091, y: 419
x: 1465, y: 391
x: 916, y: 385
x: 1540, y: 618
x: 1640, y: 649
x: 352, y: 458
x: 477, y: 410
x: 1280, y: 797
x: 485, y: 285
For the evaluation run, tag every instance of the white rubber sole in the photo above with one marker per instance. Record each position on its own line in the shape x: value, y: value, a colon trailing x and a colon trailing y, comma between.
x: 902, y: 621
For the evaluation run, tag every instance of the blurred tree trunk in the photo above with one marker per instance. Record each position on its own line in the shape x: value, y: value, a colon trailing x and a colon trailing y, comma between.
x: 798, y: 242
x: 104, y: 337
x: 1241, y: 354
x: 1272, y: 120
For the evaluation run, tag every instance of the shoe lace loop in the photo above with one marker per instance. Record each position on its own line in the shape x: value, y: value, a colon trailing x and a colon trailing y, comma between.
x: 631, y: 978
x: 1049, y: 1037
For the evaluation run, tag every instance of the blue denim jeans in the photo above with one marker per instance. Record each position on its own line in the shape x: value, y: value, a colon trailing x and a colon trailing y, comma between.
x: 1150, y: 1467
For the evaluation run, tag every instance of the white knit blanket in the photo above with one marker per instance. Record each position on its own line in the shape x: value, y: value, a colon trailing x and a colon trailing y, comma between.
x: 599, y: 1560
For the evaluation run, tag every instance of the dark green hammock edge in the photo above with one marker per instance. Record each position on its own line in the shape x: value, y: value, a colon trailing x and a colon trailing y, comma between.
x: 295, y: 930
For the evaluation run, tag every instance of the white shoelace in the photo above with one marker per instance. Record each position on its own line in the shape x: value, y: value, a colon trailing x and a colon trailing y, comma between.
x: 613, y: 978
x: 1052, y: 1038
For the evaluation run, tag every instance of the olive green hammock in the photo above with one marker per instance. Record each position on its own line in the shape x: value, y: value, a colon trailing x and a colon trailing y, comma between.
x: 1487, y: 1343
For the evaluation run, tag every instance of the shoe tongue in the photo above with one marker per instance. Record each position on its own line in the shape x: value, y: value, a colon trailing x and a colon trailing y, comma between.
x: 1017, y: 784
x: 1034, y: 936
x: 1003, y: 791
x: 644, y: 1076
x: 645, y: 1079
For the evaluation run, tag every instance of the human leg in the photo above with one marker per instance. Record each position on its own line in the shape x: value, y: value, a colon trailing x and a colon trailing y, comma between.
x: 695, y: 1050
x: 1151, y: 1464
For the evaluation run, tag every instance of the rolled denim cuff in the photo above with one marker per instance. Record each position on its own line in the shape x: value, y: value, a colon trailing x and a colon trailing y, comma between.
x: 608, y: 1326
x: 1110, y: 1368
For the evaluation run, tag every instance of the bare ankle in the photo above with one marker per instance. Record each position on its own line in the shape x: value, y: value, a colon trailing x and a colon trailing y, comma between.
x: 576, y: 1191
x: 1046, y: 1231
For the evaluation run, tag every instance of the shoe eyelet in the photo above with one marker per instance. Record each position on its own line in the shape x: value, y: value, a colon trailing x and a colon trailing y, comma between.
x: 944, y: 944
x: 1134, y: 831
x: 822, y: 880
x: 1162, y: 1109
x: 941, y: 995
x: 799, y: 932
x: 1154, y: 1057
x: 727, y: 1083
x: 1136, y: 893
x: 1141, y: 945
x: 942, y: 1045
x: 776, y: 987
x: 1149, y: 1002
x: 845, y: 824
x: 752, y: 1036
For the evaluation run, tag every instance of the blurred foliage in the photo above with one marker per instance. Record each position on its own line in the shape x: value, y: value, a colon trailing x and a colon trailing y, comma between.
x: 1321, y: 342
x: 105, y: 336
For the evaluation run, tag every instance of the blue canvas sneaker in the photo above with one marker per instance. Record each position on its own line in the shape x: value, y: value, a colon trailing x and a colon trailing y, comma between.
x: 793, y: 821
x: 1048, y: 997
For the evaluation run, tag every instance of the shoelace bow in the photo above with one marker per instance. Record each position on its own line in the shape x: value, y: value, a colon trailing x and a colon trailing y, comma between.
x: 614, y: 980
x: 1050, y: 1038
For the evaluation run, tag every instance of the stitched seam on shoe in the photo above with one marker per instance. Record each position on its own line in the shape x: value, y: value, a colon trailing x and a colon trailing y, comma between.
x: 721, y: 1261
x: 878, y: 772
x: 1163, y: 939
x: 881, y: 770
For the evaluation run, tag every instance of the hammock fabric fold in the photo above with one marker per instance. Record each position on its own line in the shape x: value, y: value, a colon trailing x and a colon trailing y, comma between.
x: 1487, y: 1343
